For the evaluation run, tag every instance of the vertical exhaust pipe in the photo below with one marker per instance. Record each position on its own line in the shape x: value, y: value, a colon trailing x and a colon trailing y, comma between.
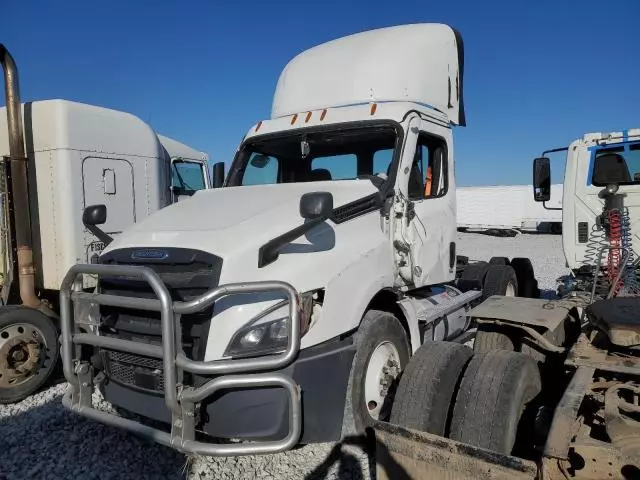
x: 19, y: 183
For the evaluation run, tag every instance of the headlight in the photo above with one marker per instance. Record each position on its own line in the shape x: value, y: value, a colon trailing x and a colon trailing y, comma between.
x: 87, y: 314
x: 260, y: 339
x: 271, y: 336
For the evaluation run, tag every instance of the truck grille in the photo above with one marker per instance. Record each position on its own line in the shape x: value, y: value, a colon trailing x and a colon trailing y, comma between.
x: 135, y: 370
x: 186, y: 273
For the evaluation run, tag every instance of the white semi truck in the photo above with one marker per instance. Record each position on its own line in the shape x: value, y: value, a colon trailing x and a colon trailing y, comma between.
x: 280, y: 309
x: 57, y: 158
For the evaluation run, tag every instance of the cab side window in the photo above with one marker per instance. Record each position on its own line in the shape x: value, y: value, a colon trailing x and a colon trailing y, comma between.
x: 429, y: 173
x: 187, y: 177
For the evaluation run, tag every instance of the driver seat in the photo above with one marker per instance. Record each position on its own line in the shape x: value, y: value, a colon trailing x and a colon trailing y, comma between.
x: 319, y: 175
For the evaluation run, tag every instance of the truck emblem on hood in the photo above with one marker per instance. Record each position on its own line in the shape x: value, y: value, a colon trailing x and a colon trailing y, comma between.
x: 149, y: 254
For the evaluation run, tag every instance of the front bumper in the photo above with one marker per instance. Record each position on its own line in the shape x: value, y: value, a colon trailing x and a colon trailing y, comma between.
x: 183, y: 402
x: 321, y: 372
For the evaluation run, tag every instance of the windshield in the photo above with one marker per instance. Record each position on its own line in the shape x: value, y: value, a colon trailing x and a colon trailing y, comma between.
x: 187, y: 177
x: 313, y: 156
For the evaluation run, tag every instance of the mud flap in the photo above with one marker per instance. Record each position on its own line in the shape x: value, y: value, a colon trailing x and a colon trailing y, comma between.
x: 403, y: 454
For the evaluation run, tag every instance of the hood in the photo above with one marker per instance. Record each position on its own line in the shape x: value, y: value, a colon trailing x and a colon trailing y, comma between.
x: 234, y: 222
x: 239, y: 210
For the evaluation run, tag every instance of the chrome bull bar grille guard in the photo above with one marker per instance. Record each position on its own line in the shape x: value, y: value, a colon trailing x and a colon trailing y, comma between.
x: 181, y: 400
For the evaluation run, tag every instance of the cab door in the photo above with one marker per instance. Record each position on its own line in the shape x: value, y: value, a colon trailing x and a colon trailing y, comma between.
x: 428, y: 187
x: 110, y: 182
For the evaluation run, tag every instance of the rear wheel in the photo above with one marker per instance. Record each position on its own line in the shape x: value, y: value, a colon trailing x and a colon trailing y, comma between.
x: 29, y: 351
x: 527, y: 283
x: 493, y: 394
x: 490, y: 337
x: 499, y: 261
x: 427, y: 386
x: 475, y: 272
x: 500, y: 280
x: 382, y: 351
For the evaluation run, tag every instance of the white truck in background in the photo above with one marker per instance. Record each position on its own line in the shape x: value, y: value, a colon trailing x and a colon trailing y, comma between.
x: 582, y: 197
x: 281, y: 308
x: 507, y: 208
x: 58, y: 158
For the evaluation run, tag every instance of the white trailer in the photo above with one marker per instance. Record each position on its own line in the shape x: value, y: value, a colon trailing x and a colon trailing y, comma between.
x: 58, y: 158
x: 281, y: 308
x: 507, y: 207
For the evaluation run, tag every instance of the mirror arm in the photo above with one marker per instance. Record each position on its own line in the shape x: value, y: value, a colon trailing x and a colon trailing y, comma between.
x: 270, y: 251
x: 554, y: 150
x: 100, y: 234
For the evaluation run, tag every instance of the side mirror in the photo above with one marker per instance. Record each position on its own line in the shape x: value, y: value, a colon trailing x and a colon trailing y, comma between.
x: 94, y: 215
x: 259, y: 161
x: 218, y: 174
x: 541, y: 179
x: 316, y: 205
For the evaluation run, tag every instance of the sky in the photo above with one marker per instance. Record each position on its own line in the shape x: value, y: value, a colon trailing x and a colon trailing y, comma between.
x: 537, y: 74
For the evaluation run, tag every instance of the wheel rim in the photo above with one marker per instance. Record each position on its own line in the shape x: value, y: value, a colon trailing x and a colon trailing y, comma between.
x: 511, y: 291
x: 22, y: 348
x: 382, y: 369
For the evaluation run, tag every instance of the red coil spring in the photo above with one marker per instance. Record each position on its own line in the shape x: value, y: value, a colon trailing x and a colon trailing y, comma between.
x: 615, y: 241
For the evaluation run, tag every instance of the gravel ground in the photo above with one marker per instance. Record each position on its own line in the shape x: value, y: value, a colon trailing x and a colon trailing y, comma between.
x: 40, y: 439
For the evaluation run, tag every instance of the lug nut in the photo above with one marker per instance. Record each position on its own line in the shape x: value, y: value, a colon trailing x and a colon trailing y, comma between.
x: 18, y: 356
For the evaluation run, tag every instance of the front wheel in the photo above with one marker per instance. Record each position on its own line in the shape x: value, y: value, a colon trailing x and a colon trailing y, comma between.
x: 29, y: 351
x: 382, y: 351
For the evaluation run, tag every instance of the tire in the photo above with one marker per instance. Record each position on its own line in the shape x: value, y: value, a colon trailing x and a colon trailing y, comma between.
x: 473, y: 274
x: 18, y: 326
x: 495, y: 389
x: 377, y: 328
x: 490, y: 337
x: 493, y: 337
x: 500, y: 280
x: 527, y: 283
x: 499, y: 261
x: 427, y: 386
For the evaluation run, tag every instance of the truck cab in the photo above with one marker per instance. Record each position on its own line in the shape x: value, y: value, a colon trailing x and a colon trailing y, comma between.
x: 76, y: 156
x: 583, y: 201
x: 281, y: 308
